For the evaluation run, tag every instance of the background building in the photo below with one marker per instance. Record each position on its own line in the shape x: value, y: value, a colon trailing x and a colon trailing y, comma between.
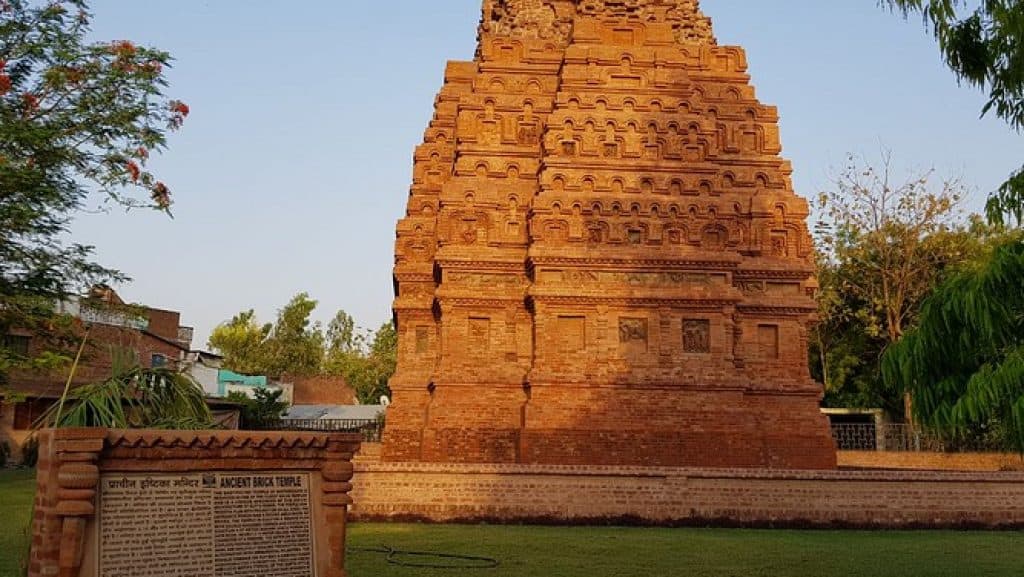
x: 112, y: 329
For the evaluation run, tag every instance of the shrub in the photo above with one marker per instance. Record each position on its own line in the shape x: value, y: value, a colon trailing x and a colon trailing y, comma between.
x: 30, y: 453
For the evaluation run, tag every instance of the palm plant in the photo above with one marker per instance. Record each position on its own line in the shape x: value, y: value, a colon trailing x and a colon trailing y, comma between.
x: 134, y: 397
x: 964, y: 362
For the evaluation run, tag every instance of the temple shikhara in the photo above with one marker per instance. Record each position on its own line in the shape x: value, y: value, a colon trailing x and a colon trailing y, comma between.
x: 603, y: 261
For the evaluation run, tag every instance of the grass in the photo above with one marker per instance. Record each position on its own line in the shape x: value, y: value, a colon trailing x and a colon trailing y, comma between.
x: 617, y: 552
x: 16, y: 491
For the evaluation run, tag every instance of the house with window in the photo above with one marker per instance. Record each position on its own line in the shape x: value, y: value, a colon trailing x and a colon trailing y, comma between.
x: 111, y: 330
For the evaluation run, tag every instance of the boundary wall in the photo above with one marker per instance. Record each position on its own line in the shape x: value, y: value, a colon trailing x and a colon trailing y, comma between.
x: 930, y: 461
x: 680, y: 496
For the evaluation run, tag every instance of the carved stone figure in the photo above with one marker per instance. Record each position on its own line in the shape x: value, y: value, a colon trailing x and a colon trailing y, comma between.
x: 631, y: 330
x: 697, y: 336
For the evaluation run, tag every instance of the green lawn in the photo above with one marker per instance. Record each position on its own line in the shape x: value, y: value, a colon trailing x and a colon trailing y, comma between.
x: 614, y: 552
x: 16, y: 490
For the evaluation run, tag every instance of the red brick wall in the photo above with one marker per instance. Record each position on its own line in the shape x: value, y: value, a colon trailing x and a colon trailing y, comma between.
x: 638, y: 426
x: 931, y: 461
x: 320, y: 390
x: 97, y: 359
x: 164, y: 323
x: 439, y: 492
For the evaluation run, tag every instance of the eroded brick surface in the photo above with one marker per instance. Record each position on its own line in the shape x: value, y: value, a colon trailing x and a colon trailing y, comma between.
x: 603, y: 260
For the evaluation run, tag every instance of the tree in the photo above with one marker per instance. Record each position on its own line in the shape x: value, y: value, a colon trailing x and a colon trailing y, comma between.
x: 241, y: 341
x: 296, y: 344
x: 977, y: 385
x: 293, y: 345
x: 265, y: 408
x: 964, y: 363
x: 885, y: 246
x: 384, y: 357
x: 342, y: 335
x: 844, y: 351
x: 891, y: 240
x: 75, y: 118
x: 984, y: 46
x: 366, y: 362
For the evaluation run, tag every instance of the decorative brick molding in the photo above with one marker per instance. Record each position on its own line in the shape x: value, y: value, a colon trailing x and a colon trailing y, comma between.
x: 679, y: 496
x: 72, y: 461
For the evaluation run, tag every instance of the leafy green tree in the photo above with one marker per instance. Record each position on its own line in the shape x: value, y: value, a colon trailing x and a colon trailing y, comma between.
x: 76, y: 118
x: 296, y: 344
x: 293, y: 345
x: 384, y: 356
x: 885, y: 245
x: 366, y: 361
x: 890, y: 239
x: 844, y: 350
x: 983, y: 43
x: 263, y: 409
x: 964, y: 363
x: 342, y: 335
x: 241, y: 341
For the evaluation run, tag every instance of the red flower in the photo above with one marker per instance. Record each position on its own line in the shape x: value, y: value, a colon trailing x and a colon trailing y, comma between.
x: 31, y: 103
x: 5, y: 84
x: 123, y: 48
x: 179, y: 107
x: 142, y: 152
x: 161, y: 195
x: 133, y: 170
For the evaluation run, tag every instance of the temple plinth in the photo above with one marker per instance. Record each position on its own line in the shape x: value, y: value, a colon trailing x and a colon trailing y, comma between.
x: 603, y: 260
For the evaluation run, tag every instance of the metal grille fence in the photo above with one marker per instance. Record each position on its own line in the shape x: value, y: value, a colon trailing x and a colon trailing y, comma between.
x: 901, y: 438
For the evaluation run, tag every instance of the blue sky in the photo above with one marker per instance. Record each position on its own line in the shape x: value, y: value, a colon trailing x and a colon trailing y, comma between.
x: 296, y: 161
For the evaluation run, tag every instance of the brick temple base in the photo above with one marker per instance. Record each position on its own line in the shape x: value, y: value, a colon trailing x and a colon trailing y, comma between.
x: 610, y: 426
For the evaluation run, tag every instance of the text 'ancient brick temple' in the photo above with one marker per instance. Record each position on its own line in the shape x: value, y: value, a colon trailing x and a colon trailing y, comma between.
x: 603, y: 260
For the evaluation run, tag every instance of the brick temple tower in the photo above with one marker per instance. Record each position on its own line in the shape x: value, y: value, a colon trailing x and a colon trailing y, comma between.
x: 603, y: 260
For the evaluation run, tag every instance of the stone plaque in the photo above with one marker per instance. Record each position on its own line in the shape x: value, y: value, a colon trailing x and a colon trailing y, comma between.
x: 205, y: 525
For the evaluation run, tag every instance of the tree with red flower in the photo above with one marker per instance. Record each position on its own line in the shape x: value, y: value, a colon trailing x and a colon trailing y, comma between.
x: 79, y: 121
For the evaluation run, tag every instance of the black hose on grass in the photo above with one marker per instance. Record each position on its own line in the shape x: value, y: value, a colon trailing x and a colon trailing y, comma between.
x: 394, y: 557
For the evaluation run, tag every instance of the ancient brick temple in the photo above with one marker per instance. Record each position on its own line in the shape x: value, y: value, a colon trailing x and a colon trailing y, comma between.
x: 603, y: 259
